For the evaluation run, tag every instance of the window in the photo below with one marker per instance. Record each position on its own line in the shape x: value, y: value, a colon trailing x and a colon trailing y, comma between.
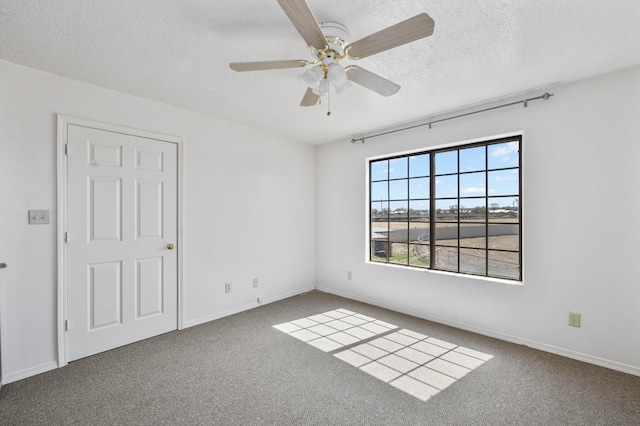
x: 454, y: 209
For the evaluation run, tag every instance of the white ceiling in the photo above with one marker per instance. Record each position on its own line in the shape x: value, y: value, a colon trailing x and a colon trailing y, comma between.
x: 177, y: 52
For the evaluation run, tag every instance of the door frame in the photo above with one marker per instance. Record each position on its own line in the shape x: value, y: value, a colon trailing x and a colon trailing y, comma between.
x: 63, y: 122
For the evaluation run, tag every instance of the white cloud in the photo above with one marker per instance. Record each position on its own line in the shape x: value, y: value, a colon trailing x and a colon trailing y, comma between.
x: 474, y: 190
x: 505, y: 178
x: 507, y: 149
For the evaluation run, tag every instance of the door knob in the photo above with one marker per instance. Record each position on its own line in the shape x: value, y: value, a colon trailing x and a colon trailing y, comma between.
x: 3, y: 265
x: 170, y: 246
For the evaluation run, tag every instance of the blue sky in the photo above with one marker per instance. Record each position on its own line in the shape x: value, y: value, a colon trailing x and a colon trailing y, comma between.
x: 495, y: 183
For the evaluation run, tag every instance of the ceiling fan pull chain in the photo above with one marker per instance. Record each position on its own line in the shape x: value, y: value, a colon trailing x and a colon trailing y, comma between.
x: 329, y: 102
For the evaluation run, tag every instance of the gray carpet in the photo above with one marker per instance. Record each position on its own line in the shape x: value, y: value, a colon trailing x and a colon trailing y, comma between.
x: 239, y: 370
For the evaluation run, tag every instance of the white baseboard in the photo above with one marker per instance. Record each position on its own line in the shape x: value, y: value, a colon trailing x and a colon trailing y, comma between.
x: 218, y: 315
x: 52, y: 365
x: 613, y: 365
x: 28, y: 372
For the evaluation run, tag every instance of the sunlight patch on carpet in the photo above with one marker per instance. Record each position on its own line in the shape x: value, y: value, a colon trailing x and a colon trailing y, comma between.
x: 334, y: 329
x: 414, y: 363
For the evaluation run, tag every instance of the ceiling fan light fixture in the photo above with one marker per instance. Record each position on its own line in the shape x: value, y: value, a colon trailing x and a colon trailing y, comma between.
x: 343, y: 87
x: 337, y: 75
x: 323, y: 87
x: 312, y: 76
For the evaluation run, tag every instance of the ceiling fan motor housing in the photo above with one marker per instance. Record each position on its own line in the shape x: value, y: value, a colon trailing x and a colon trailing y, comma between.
x: 337, y: 35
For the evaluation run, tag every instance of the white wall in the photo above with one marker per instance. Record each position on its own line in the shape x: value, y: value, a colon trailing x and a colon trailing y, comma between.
x: 250, y: 211
x: 580, y: 203
x: 249, y: 208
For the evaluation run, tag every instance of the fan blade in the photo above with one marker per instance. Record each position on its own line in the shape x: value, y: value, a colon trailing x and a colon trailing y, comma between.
x: 412, y: 29
x: 372, y: 81
x: 309, y: 98
x: 267, y: 65
x: 302, y: 18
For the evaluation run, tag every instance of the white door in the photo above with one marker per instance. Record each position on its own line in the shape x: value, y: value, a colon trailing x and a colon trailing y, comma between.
x: 122, y: 225
x: 2, y: 266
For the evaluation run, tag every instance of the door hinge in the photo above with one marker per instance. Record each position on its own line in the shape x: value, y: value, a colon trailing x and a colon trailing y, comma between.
x: 66, y: 325
x: 66, y: 149
x: 66, y: 237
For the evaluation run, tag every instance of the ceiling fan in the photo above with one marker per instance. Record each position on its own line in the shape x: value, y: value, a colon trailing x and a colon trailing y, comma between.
x: 329, y: 43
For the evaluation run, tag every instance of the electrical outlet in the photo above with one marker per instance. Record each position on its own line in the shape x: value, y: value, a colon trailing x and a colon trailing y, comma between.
x: 349, y: 275
x: 255, y: 282
x: 259, y: 300
x: 574, y: 319
x: 227, y: 287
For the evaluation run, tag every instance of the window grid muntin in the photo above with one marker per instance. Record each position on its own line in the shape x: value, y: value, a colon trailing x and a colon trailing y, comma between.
x: 432, y: 219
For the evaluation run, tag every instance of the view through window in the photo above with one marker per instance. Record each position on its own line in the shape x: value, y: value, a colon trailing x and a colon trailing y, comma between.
x: 455, y: 209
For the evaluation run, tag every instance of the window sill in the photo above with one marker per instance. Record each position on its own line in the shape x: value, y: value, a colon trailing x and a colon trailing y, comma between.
x: 450, y: 274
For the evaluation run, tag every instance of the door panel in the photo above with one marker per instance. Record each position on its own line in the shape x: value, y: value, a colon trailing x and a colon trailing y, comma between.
x: 149, y: 203
x: 149, y: 287
x: 105, y: 208
x: 122, y: 214
x: 105, y: 295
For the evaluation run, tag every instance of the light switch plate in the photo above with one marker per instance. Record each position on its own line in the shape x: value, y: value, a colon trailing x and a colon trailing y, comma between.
x: 38, y: 217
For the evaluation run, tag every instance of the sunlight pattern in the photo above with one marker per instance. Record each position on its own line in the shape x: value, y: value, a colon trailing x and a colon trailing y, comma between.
x: 414, y: 363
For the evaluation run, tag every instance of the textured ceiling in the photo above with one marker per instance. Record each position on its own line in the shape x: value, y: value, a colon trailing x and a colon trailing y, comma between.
x: 177, y: 52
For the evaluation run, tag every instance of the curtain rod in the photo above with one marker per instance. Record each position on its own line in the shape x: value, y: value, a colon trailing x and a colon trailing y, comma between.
x: 523, y: 101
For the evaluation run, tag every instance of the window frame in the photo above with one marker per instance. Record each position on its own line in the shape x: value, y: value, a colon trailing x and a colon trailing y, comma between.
x: 511, y: 216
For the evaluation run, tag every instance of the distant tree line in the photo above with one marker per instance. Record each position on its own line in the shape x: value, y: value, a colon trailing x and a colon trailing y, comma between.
x: 462, y: 211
